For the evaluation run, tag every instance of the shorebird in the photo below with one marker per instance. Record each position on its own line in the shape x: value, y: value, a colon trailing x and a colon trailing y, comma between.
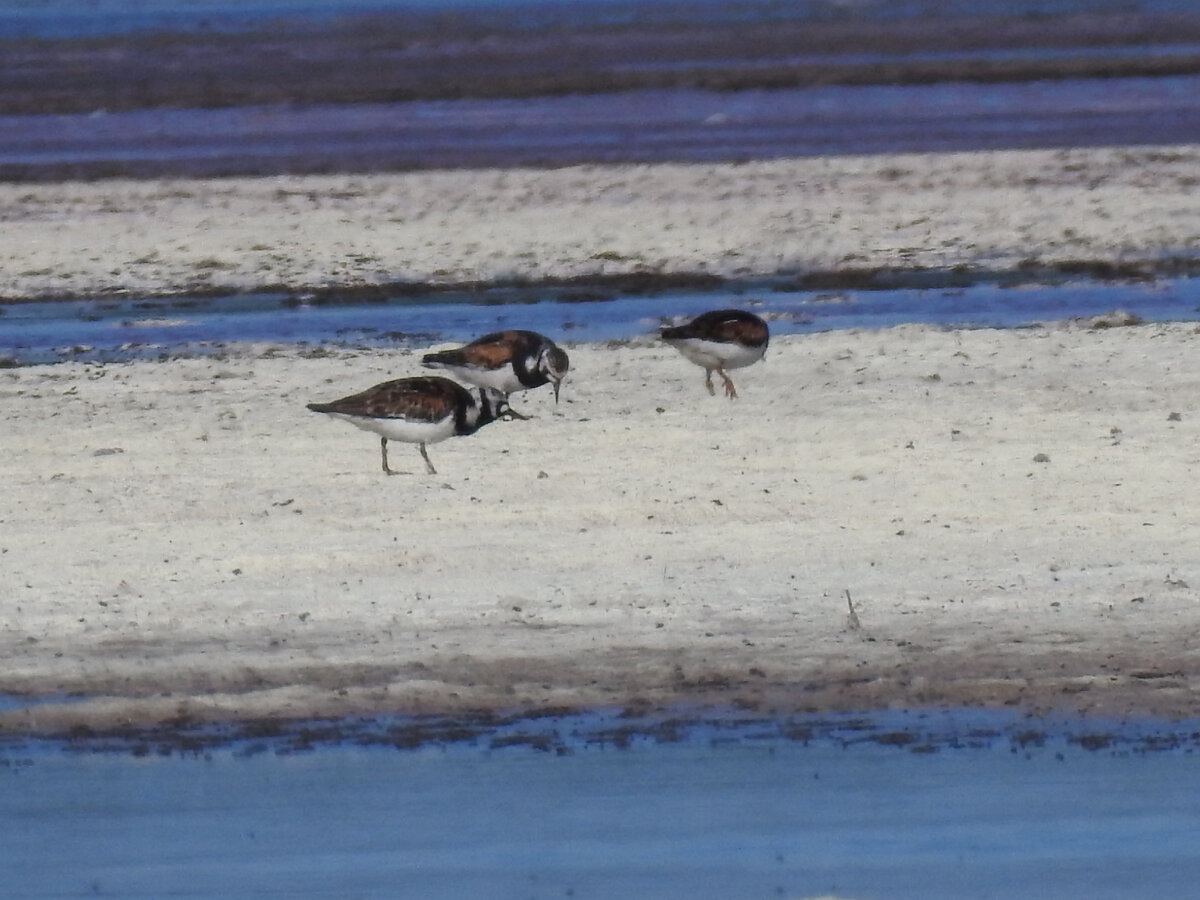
x: 421, y: 410
x: 505, y: 361
x: 719, y: 340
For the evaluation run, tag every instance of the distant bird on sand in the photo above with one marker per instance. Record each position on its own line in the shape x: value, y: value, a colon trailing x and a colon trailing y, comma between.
x: 719, y: 340
x: 505, y: 361
x: 422, y: 410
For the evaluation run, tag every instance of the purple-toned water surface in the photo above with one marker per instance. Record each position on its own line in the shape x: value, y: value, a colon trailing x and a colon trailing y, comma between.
x: 638, y: 126
x: 75, y: 18
x: 503, y: 95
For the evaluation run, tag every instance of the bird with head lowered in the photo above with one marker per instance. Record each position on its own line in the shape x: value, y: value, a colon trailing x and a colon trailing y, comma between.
x: 421, y: 410
x: 718, y: 340
x: 505, y: 361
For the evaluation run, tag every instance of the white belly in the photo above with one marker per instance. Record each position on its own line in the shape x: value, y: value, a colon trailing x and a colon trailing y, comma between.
x: 403, y: 429
x: 503, y: 379
x: 717, y: 355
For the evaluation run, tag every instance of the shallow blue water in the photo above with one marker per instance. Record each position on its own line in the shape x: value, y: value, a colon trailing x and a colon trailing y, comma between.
x: 109, y: 330
x: 714, y: 812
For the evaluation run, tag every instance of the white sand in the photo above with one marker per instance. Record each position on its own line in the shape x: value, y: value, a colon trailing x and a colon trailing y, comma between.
x: 187, y: 534
x: 185, y: 541
x: 992, y: 210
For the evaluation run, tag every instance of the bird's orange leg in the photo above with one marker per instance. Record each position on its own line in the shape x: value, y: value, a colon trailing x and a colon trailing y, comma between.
x: 730, y: 390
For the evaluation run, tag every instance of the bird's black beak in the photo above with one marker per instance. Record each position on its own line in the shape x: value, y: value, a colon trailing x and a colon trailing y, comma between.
x: 557, y: 385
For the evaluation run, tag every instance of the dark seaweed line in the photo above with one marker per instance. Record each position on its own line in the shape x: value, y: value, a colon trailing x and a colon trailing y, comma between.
x: 599, y: 288
x: 564, y: 732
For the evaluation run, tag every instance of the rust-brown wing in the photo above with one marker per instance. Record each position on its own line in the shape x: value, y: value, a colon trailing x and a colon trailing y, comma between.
x: 729, y: 326
x: 492, y: 351
x: 749, y: 332
x: 422, y: 399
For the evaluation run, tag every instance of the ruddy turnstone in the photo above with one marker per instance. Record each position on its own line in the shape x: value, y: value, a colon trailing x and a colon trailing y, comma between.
x: 421, y: 410
x: 505, y: 361
x: 719, y: 340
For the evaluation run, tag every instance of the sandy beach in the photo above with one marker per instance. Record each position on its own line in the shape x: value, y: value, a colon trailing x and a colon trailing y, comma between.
x: 978, y: 211
x: 1007, y: 511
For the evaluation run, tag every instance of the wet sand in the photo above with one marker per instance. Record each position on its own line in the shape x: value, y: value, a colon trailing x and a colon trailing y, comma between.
x: 1007, y: 511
